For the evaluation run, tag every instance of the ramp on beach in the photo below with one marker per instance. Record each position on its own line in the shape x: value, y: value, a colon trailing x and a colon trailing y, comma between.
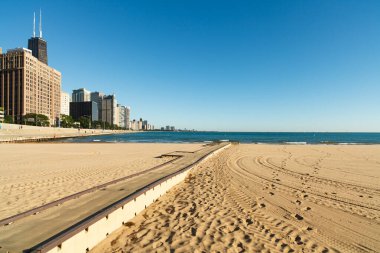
x: 23, y: 232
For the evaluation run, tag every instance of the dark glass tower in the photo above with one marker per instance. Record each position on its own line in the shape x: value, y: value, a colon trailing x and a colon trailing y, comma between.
x: 39, y: 49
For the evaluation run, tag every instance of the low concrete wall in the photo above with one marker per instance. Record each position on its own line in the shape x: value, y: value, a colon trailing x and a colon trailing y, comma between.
x: 19, y: 133
x: 89, y: 233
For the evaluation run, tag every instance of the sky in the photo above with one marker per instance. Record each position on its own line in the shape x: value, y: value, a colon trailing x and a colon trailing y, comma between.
x: 217, y: 65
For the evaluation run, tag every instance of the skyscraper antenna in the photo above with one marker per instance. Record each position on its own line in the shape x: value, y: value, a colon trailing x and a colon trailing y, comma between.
x: 34, y: 24
x: 40, y: 24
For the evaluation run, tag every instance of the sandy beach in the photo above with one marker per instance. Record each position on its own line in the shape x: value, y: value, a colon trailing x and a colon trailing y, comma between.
x: 265, y: 198
x: 35, y: 174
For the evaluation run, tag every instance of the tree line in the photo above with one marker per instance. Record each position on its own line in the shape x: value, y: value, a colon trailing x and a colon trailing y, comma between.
x: 66, y: 121
x: 85, y: 122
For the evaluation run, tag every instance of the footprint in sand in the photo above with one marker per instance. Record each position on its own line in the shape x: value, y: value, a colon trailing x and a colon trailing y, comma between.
x: 170, y: 209
x: 297, y: 216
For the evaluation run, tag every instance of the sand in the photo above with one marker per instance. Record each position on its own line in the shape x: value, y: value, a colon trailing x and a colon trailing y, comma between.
x: 35, y: 174
x: 265, y: 198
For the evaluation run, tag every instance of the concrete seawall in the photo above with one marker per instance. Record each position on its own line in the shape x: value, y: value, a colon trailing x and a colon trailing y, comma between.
x: 86, y: 234
x: 23, y: 133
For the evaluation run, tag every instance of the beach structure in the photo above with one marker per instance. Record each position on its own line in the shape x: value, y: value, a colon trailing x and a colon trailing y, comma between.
x: 65, y: 103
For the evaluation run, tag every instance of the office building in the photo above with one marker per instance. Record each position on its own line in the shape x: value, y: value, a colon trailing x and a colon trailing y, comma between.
x: 65, y: 103
x: 97, y: 97
x: 134, y: 125
x: 139, y: 124
x: 28, y: 85
x: 38, y: 45
x: 122, y: 116
x: 109, y: 110
x: 84, y: 109
x: 127, y: 117
x: 144, y: 125
x: 117, y: 116
x: 81, y: 95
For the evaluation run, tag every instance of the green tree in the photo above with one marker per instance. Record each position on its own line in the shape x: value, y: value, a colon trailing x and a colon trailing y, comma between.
x: 66, y: 121
x: 107, y: 125
x: 85, y: 122
x: 97, y: 124
x: 36, y: 119
x: 8, y: 119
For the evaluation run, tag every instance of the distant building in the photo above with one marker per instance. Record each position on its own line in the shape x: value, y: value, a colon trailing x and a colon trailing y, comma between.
x: 172, y: 128
x: 145, y: 125
x: 134, y: 125
x: 117, y: 115
x: 81, y: 95
x: 28, y: 85
x: 39, y: 49
x: 38, y: 45
x: 140, y: 124
x: 127, y: 117
x: 167, y: 128
x: 84, y: 109
x: 109, y: 110
x: 123, y: 116
x: 65, y: 103
x: 97, y: 97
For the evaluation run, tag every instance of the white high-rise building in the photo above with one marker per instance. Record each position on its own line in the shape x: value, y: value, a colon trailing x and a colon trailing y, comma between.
x: 65, y: 103
x: 127, y: 117
x: 134, y: 125
x: 123, y: 116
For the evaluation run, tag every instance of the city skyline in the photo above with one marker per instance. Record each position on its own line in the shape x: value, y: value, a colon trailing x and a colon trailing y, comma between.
x: 252, y: 66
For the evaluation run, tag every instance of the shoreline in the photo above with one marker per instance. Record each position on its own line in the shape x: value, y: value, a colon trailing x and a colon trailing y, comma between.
x: 12, y: 133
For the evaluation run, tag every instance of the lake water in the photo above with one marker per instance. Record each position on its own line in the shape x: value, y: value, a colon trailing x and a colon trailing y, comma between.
x: 243, y: 137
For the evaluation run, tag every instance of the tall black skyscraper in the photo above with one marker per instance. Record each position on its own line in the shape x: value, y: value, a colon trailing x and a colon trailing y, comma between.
x: 37, y: 44
x: 39, y: 48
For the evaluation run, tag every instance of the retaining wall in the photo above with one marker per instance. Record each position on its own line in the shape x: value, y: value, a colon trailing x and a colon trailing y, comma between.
x: 20, y: 133
x: 84, y: 236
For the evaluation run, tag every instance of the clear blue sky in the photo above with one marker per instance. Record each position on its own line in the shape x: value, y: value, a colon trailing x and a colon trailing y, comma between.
x: 217, y: 65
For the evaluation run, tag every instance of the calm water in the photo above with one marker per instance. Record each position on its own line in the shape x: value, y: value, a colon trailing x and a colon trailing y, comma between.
x: 255, y: 137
